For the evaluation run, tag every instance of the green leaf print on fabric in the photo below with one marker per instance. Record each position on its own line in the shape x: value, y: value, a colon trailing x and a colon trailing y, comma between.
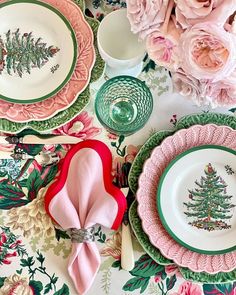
x: 136, y: 283
x: 146, y: 267
x: 119, y: 151
x: 36, y: 286
x: 10, y: 246
x: 233, y: 110
x: 63, y: 291
x: 147, y: 270
x: 149, y: 66
x: 2, y: 279
x: 101, y: 236
x: 48, y: 288
x: 37, y: 180
x: 170, y: 282
x: 219, y: 289
x: 116, y: 264
x: 11, y: 196
x: 61, y: 234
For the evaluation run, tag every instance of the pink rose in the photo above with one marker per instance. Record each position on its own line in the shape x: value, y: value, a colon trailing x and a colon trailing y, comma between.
x: 221, y: 93
x: 162, y: 47
x: 146, y: 16
x: 188, y: 86
x: 208, y: 52
x: 189, y: 13
x: 188, y: 288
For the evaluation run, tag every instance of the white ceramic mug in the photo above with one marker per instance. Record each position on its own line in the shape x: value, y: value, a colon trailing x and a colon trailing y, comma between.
x: 118, y: 46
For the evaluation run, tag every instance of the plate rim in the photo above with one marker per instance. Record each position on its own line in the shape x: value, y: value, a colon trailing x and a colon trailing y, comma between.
x: 75, y: 47
x: 158, y: 201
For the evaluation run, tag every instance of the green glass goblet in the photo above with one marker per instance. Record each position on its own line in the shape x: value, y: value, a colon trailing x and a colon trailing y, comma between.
x: 123, y: 105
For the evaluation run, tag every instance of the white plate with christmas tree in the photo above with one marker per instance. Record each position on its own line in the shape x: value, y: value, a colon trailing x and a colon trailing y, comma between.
x: 196, y: 199
x: 38, y: 51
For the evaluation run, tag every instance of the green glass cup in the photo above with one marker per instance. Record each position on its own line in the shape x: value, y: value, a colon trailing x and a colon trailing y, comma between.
x: 123, y: 105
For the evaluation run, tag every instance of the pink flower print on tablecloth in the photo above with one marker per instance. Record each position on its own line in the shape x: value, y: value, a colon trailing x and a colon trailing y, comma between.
x: 16, y: 285
x: 172, y: 269
x: 9, y: 246
x: 119, y: 163
x: 188, y: 288
x: 112, y: 247
x: 81, y: 126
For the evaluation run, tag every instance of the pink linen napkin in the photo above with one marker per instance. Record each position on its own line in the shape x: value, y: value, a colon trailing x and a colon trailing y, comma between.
x: 82, y: 196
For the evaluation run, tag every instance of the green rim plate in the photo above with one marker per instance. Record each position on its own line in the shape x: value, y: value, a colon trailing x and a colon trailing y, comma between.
x: 81, y: 102
x: 163, y: 196
x: 136, y: 169
x: 73, y: 37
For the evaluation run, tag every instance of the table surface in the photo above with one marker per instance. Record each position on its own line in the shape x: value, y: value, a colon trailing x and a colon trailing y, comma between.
x: 34, y: 254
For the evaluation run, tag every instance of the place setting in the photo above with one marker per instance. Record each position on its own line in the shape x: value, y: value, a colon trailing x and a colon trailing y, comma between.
x: 63, y: 64
x: 184, y: 212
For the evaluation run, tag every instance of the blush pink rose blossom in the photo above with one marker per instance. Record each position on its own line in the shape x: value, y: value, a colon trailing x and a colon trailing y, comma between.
x: 208, y: 52
x: 189, y: 13
x: 146, y: 16
x: 188, y: 288
x: 162, y: 47
x: 189, y: 87
x: 221, y: 94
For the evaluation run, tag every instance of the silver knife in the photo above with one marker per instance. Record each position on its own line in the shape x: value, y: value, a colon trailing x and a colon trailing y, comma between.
x: 40, y: 139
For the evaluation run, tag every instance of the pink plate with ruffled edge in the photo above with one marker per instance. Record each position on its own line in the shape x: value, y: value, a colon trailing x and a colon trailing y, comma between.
x: 146, y: 195
x: 79, y: 79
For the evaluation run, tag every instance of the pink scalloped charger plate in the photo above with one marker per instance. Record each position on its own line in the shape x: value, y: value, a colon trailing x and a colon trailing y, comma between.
x: 153, y: 168
x: 79, y: 79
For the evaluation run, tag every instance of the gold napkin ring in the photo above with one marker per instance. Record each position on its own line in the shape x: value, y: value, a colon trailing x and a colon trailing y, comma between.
x: 82, y: 235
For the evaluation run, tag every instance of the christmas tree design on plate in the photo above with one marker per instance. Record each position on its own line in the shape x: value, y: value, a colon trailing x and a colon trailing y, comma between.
x: 19, y: 53
x: 209, y: 206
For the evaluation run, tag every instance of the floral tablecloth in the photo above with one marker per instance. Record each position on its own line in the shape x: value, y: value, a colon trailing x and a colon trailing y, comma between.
x: 34, y: 252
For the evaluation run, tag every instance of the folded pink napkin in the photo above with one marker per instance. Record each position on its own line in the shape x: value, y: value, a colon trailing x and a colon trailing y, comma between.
x: 83, y: 195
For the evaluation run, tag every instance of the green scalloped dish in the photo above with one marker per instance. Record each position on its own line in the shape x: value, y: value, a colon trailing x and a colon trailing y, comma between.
x: 136, y: 169
x: 81, y: 102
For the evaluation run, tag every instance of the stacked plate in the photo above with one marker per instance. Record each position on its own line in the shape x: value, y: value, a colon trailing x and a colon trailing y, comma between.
x: 47, y: 55
x: 185, y: 185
